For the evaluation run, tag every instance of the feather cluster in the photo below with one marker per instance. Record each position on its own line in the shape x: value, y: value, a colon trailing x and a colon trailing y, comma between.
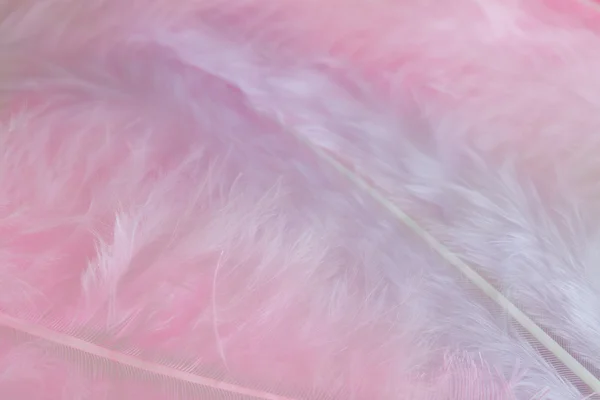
x: 170, y: 229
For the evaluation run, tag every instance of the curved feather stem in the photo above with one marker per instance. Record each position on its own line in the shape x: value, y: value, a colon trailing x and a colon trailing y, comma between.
x: 527, y: 323
x: 130, y: 361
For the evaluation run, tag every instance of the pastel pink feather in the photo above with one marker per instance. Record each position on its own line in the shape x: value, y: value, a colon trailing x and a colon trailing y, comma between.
x: 166, y: 233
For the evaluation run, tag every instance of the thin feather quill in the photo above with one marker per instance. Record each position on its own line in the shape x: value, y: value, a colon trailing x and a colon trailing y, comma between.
x: 214, y: 387
x: 489, y: 290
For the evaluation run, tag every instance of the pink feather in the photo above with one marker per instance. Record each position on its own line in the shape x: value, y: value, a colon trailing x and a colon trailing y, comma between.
x: 166, y: 233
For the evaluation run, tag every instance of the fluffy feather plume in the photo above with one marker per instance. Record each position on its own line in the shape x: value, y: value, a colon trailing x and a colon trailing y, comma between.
x: 505, y: 147
x: 164, y: 235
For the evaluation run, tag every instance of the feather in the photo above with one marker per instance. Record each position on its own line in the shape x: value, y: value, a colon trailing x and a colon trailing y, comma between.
x: 446, y: 179
x: 161, y: 233
x: 574, y: 366
x: 199, y: 385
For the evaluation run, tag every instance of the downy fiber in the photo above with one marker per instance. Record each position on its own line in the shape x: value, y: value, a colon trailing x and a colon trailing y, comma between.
x: 299, y: 199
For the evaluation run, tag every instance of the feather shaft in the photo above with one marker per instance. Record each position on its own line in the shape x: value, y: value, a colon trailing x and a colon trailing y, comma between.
x: 481, y: 283
x: 130, y: 361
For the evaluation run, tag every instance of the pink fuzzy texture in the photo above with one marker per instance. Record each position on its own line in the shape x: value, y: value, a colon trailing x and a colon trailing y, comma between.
x: 164, y: 228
